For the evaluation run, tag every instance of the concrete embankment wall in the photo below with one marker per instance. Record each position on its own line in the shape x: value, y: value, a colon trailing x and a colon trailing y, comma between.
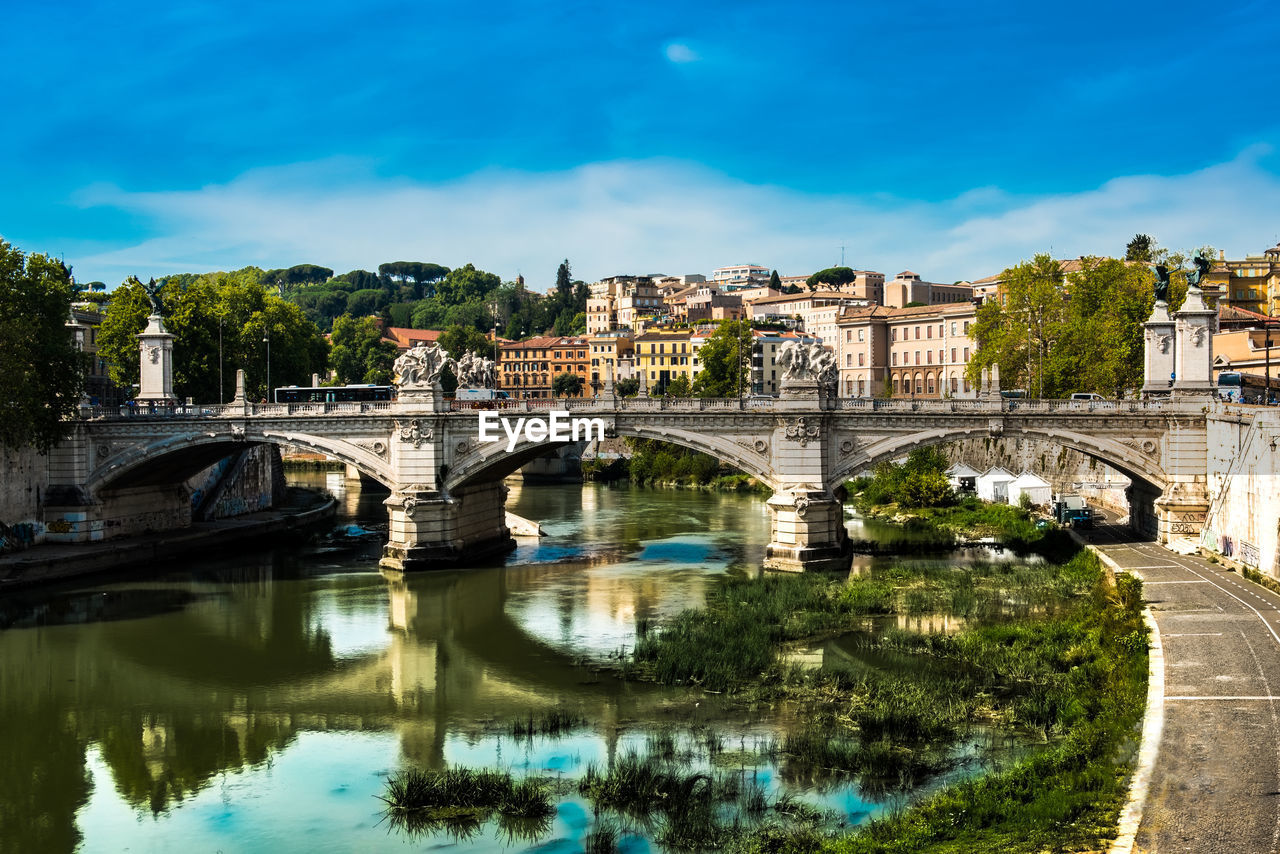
x: 1065, y: 469
x: 23, y: 480
x: 1244, y: 487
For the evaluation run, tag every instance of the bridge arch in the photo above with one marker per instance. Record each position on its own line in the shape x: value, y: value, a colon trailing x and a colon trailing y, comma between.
x: 172, y: 458
x: 492, y: 461
x: 1129, y: 461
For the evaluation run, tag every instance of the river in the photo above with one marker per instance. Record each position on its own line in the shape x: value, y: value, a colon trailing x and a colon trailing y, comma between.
x: 259, y: 703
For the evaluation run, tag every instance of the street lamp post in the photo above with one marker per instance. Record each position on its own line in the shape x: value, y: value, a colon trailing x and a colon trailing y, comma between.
x: 266, y: 337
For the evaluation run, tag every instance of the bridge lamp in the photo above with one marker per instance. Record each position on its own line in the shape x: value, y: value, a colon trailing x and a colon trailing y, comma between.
x: 266, y: 338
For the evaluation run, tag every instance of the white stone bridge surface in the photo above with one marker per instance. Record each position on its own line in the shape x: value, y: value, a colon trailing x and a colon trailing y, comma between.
x: 447, y: 495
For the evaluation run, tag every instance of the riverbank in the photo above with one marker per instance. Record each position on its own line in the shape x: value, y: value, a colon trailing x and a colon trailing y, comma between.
x: 1058, y: 650
x: 53, y: 563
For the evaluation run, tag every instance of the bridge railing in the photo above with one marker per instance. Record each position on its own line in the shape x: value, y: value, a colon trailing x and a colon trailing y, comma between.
x: 664, y: 404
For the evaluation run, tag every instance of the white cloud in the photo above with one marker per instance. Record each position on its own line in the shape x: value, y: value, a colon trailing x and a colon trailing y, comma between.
x: 681, y: 53
x: 662, y: 216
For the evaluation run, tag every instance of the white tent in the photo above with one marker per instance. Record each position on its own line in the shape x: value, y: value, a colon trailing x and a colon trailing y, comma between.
x: 1036, y: 488
x: 993, y: 484
x: 963, y: 477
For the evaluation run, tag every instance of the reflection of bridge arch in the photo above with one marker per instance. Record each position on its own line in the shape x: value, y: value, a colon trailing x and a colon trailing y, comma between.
x: 174, y: 458
x: 492, y: 461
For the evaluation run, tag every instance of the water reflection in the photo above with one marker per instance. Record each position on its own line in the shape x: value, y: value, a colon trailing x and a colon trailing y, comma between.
x: 259, y: 702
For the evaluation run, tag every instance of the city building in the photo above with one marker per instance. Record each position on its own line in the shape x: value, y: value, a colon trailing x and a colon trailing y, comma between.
x: 907, y: 287
x: 406, y: 338
x: 1252, y: 284
x: 611, y: 350
x: 921, y: 352
x: 527, y: 369
x: 83, y: 322
x: 740, y: 275
x: 707, y: 303
x: 862, y: 350
x: 930, y: 350
x: 813, y: 313
x: 663, y: 354
x: 866, y: 284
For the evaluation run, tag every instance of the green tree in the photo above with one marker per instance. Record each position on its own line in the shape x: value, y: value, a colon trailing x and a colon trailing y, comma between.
x: 680, y: 386
x: 219, y: 320
x: 567, y: 385
x: 360, y: 353
x: 775, y: 281
x: 628, y: 387
x: 725, y: 363
x: 1057, y: 335
x: 458, y: 340
x: 564, y: 280
x: 421, y: 276
x: 42, y: 368
x: 465, y: 284
x: 1140, y: 248
x: 833, y: 277
x: 1018, y: 331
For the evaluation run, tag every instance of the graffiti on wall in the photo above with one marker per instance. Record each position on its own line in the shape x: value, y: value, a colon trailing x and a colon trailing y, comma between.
x: 1187, y: 523
x: 18, y: 536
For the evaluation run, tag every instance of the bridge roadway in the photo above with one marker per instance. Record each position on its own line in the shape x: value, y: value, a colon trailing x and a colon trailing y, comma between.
x: 1215, y: 786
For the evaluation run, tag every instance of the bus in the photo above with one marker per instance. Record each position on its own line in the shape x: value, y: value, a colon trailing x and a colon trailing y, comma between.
x: 1245, y: 388
x: 333, y: 393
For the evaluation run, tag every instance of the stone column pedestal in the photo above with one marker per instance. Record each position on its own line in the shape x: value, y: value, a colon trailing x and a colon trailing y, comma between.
x: 432, y: 530
x: 808, y: 533
x: 1193, y: 351
x: 1182, y: 510
x: 155, y: 347
x: 1158, y: 348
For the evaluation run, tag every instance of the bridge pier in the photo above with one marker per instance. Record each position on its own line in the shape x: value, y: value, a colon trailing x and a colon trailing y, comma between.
x: 808, y: 533
x: 430, y: 529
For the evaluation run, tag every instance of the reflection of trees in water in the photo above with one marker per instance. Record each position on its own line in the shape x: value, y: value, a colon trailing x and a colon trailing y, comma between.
x: 156, y: 760
x: 43, y: 781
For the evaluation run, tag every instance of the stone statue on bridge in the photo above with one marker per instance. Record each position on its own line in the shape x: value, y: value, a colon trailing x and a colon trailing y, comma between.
x: 1162, y: 283
x: 153, y: 294
x: 420, y: 367
x: 806, y: 364
x: 1197, y: 274
x: 475, y: 371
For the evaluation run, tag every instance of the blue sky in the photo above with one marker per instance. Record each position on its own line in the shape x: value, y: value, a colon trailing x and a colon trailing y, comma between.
x: 149, y: 138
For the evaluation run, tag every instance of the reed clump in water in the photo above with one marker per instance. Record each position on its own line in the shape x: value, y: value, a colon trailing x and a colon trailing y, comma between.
x: 461, y: 800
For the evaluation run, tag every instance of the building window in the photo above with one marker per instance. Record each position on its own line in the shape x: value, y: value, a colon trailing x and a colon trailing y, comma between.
x: 861, y: 334
x: 928, y: 332
x: 953, y: 327
x: 928, y: 356
x: 930, y: 383
x: 917, y: 333
x: 895, y: 359
x: 862, y: 359
x: 966, y: 354
x: 919, y: 385
x: 953, y: 357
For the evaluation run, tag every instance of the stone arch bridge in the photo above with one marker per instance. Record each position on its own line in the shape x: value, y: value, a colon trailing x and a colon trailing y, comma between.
x: 447, y: 497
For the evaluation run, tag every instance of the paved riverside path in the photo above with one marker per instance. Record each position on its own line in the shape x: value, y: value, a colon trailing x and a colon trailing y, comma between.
x: 1215, y: 786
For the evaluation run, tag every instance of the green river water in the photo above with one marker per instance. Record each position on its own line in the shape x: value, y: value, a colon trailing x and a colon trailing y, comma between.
x: 258, y: 703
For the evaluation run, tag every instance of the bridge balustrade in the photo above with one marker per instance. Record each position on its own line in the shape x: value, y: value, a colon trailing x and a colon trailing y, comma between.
x: 663, y: 404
